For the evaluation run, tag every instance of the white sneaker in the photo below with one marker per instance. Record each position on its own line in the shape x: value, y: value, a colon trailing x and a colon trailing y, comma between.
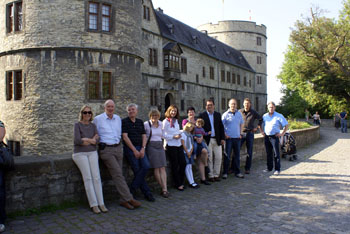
x: 266, y: 170
x: 276, y: 173
x: 2, y: 227
x: 224, y: 176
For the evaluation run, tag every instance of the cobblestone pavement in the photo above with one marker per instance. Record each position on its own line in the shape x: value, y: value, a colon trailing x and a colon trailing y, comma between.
x: 311, y: 195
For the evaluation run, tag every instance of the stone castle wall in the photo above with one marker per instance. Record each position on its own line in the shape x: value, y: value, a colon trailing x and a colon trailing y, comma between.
x: 242, y: 35
x: 55, y: 53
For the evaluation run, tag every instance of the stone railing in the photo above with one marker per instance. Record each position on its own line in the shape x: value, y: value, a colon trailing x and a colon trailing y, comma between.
x: 43, y: 180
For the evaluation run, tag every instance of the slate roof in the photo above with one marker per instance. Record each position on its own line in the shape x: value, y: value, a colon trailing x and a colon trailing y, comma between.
x: 199, y: 41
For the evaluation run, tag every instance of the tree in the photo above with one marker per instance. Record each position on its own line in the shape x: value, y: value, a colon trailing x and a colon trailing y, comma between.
x: 317, y: 63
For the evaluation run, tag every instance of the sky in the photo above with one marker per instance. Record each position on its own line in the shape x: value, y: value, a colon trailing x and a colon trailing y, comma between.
x: 279, y: 16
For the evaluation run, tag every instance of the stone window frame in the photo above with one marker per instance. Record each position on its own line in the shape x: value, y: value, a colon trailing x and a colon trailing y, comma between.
x: 100, y: 72
x: 211, y: 73
x: 228, y: 76
x: 182, y: 105
x: 258, y: 60
x: 223, y: 76
x: 223, y: 103
x: 183, y: 65
x: 233, y: 78
x: 14, y: 86
x: 245, y: 81
x: 100, y: 3
x: 153, y: 97
x: 146, y: 13
x: 238, y: 104
x: 153, y: 57
x: 15, y: 22
x: 203, y: 72
x: 258, y: 41
x: 238, y: 79
x: 259, y: 79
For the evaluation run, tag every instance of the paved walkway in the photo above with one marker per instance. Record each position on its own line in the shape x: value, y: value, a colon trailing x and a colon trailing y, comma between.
x: 311, y: 195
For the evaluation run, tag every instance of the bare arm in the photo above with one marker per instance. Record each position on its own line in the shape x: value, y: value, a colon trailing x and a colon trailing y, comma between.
x: 283, y: 132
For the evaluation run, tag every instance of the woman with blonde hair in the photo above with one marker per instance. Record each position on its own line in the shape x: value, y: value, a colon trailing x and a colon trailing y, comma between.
x: 174, y: 150
x: 155, y: 150
x: 86, y: 158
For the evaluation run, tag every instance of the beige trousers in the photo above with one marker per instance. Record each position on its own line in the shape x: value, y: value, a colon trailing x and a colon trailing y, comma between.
x: 215, y: 158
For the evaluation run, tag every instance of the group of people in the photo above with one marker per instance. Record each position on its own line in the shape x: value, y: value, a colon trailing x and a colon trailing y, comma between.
x: 147, y: 145
x: 316, y: 117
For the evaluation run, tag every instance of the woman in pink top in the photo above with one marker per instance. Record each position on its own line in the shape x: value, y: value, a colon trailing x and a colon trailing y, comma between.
x: 191, y: 113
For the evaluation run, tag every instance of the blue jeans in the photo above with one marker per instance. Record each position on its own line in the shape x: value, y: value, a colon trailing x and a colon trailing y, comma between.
x: 343, y: 124
x: 249, y: 139
x: 272, y: 145
x: 2, y: 197
x: 235, y: 145
x: 140, y: 168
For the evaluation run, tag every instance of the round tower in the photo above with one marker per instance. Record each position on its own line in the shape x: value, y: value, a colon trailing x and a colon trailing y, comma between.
x: 58, y: 55
x: 250, y: 39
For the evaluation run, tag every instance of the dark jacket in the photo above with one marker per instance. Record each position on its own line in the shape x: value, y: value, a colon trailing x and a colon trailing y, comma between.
x: 218, y: 126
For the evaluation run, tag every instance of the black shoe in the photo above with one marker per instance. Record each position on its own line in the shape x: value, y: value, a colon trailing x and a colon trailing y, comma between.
x: 205, y: 182
x: 149, y: 197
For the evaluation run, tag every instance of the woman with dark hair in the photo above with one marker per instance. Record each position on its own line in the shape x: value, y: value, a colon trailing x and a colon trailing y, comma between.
x: 2, y: 185
x: 191, y: 113
x: 174, y: 150
x: 86, y: 158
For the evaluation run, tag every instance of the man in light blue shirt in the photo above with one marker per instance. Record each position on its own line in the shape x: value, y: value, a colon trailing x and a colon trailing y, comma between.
x: 272, y: 123
x: 109, y: 128
x: 233, y: 124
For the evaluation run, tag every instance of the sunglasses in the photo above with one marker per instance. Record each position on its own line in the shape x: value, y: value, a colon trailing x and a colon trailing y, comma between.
x: 87, y: 112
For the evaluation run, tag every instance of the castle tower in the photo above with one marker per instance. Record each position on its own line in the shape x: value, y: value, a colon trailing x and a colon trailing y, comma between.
x: 58, y: 55
x: 250, y: 39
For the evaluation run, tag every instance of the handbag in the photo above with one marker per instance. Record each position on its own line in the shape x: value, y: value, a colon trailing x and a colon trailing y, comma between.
x: 6, y: 158
x: 150, y: 134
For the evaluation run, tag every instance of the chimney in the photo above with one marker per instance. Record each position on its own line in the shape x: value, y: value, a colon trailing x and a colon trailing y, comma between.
x: 160, y: 10
x: 205, y: 32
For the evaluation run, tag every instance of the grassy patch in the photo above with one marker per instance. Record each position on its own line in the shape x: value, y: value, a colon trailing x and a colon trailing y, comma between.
x: 294, y: 124
x: 44, y: 209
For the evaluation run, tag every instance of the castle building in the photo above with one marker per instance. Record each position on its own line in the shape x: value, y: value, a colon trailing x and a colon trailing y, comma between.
x: 57, y: 55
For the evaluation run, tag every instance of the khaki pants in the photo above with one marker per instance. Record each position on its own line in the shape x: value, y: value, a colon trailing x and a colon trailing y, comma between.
x: 215, y: 158
x: 112, y: 157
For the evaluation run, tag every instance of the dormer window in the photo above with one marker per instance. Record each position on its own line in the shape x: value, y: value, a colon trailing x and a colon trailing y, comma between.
x: 171, y: 28
x: 195, y: 39
x: 213, y: 47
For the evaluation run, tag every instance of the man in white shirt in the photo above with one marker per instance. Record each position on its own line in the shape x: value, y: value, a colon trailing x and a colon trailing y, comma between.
x: 109, y: 128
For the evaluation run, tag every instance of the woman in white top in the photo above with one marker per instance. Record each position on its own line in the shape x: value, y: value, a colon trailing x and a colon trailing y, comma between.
x: 155, y: 150
x: 174, y: 150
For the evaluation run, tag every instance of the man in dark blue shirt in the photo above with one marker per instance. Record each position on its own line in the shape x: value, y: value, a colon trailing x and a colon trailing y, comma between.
x: 343, y: 123
x: 135, y: 140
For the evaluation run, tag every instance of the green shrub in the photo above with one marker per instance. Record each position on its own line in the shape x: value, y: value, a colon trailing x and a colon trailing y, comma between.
x: 293, y: 124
